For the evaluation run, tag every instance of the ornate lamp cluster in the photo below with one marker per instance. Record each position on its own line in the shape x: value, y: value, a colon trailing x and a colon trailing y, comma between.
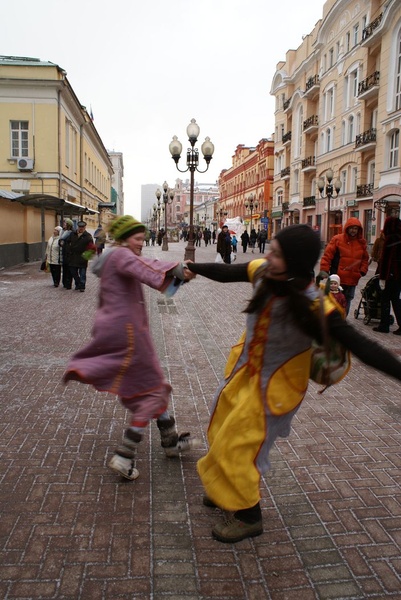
x: 327, y: 187
x: 168, y: 197
x: 207, y: 149
x: 252, y: 204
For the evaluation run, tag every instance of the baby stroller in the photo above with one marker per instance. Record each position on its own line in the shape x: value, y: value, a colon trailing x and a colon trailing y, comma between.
x: 370, y: 301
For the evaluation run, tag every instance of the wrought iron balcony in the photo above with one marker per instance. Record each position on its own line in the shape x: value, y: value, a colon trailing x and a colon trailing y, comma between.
x: 285, y: 173
x: 312, y: 86
x: 364, y: 190
x: 369, y: 29
x: 287, y: 103
x: 311, y: 123
x: 369, y: 86
x: 309, y: 164
x: 287, y: 137
x: 309, y: 201
x: 285, y: 205
x: 366, y: 140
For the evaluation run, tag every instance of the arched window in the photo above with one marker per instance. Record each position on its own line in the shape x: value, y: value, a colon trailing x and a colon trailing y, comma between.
x: 328, y: 139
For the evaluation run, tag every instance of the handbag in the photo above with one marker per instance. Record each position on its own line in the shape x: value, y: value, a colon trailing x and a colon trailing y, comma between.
x: 330, y: 360
x: 43, y: 266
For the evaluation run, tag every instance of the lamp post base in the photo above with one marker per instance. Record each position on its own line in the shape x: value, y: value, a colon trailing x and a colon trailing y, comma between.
x: 190, y: 252
x: 165, y: 242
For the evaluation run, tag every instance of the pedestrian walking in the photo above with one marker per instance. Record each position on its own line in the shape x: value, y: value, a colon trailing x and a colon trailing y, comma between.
x: 389, y: 269
x: 76, y: 244
x: 121, y: 357
x: 100, y: 239
x: 267, y: 373
x: 262, y: 237
x: 64, y: 236
x: 224, y: 244
x: 244, y: 240
x: 252, y: 239
x: 346, y: 255
x: 53, y: 255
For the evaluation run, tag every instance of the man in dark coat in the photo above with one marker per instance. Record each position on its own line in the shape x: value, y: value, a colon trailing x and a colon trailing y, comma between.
x: 390, y: 275
x: 224, y: 244
x: 78, y: 242
x: 245, y: 240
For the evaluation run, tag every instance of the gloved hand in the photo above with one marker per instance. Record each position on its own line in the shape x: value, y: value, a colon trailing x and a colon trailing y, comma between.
x: 382, y: 284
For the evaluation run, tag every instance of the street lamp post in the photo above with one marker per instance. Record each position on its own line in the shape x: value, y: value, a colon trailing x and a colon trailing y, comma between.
x: 328, y: 189
x: 155, y: 217
x: 168, y: 196
x: 158, y: 208
x: 251, y: 204
x: 207, y: 149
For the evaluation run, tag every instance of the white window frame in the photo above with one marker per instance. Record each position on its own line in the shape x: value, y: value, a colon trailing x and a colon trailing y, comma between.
x: 351, y: 130
x: 393, y: 149
x: 19, y: 139
x: 394, y: 74
x: 299, y: 132
x: 398, y: 73
x: 354, y: 178
x: 355, y: 32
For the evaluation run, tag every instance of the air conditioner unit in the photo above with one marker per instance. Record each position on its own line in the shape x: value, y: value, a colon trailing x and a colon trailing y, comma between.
x: 25, y: 164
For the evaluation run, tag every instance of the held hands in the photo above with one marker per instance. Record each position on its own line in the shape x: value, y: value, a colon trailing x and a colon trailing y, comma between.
x: 188, y: 275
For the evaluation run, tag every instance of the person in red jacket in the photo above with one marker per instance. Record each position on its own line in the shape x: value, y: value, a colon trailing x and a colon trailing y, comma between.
x: 346, y: 255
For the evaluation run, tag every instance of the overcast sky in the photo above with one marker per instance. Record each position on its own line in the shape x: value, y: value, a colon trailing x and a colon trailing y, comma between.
x: 146, y: 67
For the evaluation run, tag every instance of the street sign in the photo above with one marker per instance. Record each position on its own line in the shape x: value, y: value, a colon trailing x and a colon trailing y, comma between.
x: 264, y: 220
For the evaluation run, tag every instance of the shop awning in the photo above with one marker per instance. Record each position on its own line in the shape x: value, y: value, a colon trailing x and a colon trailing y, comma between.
x: 47, y: 202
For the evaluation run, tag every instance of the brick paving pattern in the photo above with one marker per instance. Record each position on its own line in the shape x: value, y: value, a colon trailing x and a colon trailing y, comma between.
x: 71, y: 529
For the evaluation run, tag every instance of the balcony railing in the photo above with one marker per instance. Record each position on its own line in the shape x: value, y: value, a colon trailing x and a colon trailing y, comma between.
x: 367, y: 137
x: 368, y: 84
x: 311, y: 122
x: 285, y: 205
x: 287, y: 103
x: 310, y: 201
x: 285, y: 172
x: 364, y: 190
x: 308, y: 162
x: 369, y: 29
x: 311, y: 82
x: 287, y: 137
x: 312, y: 86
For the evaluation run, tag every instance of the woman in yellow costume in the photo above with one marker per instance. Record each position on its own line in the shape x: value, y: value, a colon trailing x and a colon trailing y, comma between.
x: 267, y: 373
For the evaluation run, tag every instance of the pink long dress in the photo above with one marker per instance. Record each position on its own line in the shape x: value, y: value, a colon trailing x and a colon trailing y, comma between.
x: 121, y: 358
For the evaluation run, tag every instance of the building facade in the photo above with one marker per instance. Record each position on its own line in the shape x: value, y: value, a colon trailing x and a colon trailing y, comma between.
x: 53, y: 163
x: 338, y: 109
x: 117, y: 181
x: 246, y: 187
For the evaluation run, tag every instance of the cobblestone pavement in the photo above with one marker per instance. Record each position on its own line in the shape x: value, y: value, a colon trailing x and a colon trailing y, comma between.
x: 71, y: 529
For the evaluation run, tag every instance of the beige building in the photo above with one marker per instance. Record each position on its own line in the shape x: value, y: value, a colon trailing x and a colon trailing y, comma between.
x: 245, y: 188
x: 53, y: 163
x: 338, y: 108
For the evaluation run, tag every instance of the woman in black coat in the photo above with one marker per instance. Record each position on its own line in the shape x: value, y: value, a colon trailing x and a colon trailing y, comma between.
x: 245, y: 240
